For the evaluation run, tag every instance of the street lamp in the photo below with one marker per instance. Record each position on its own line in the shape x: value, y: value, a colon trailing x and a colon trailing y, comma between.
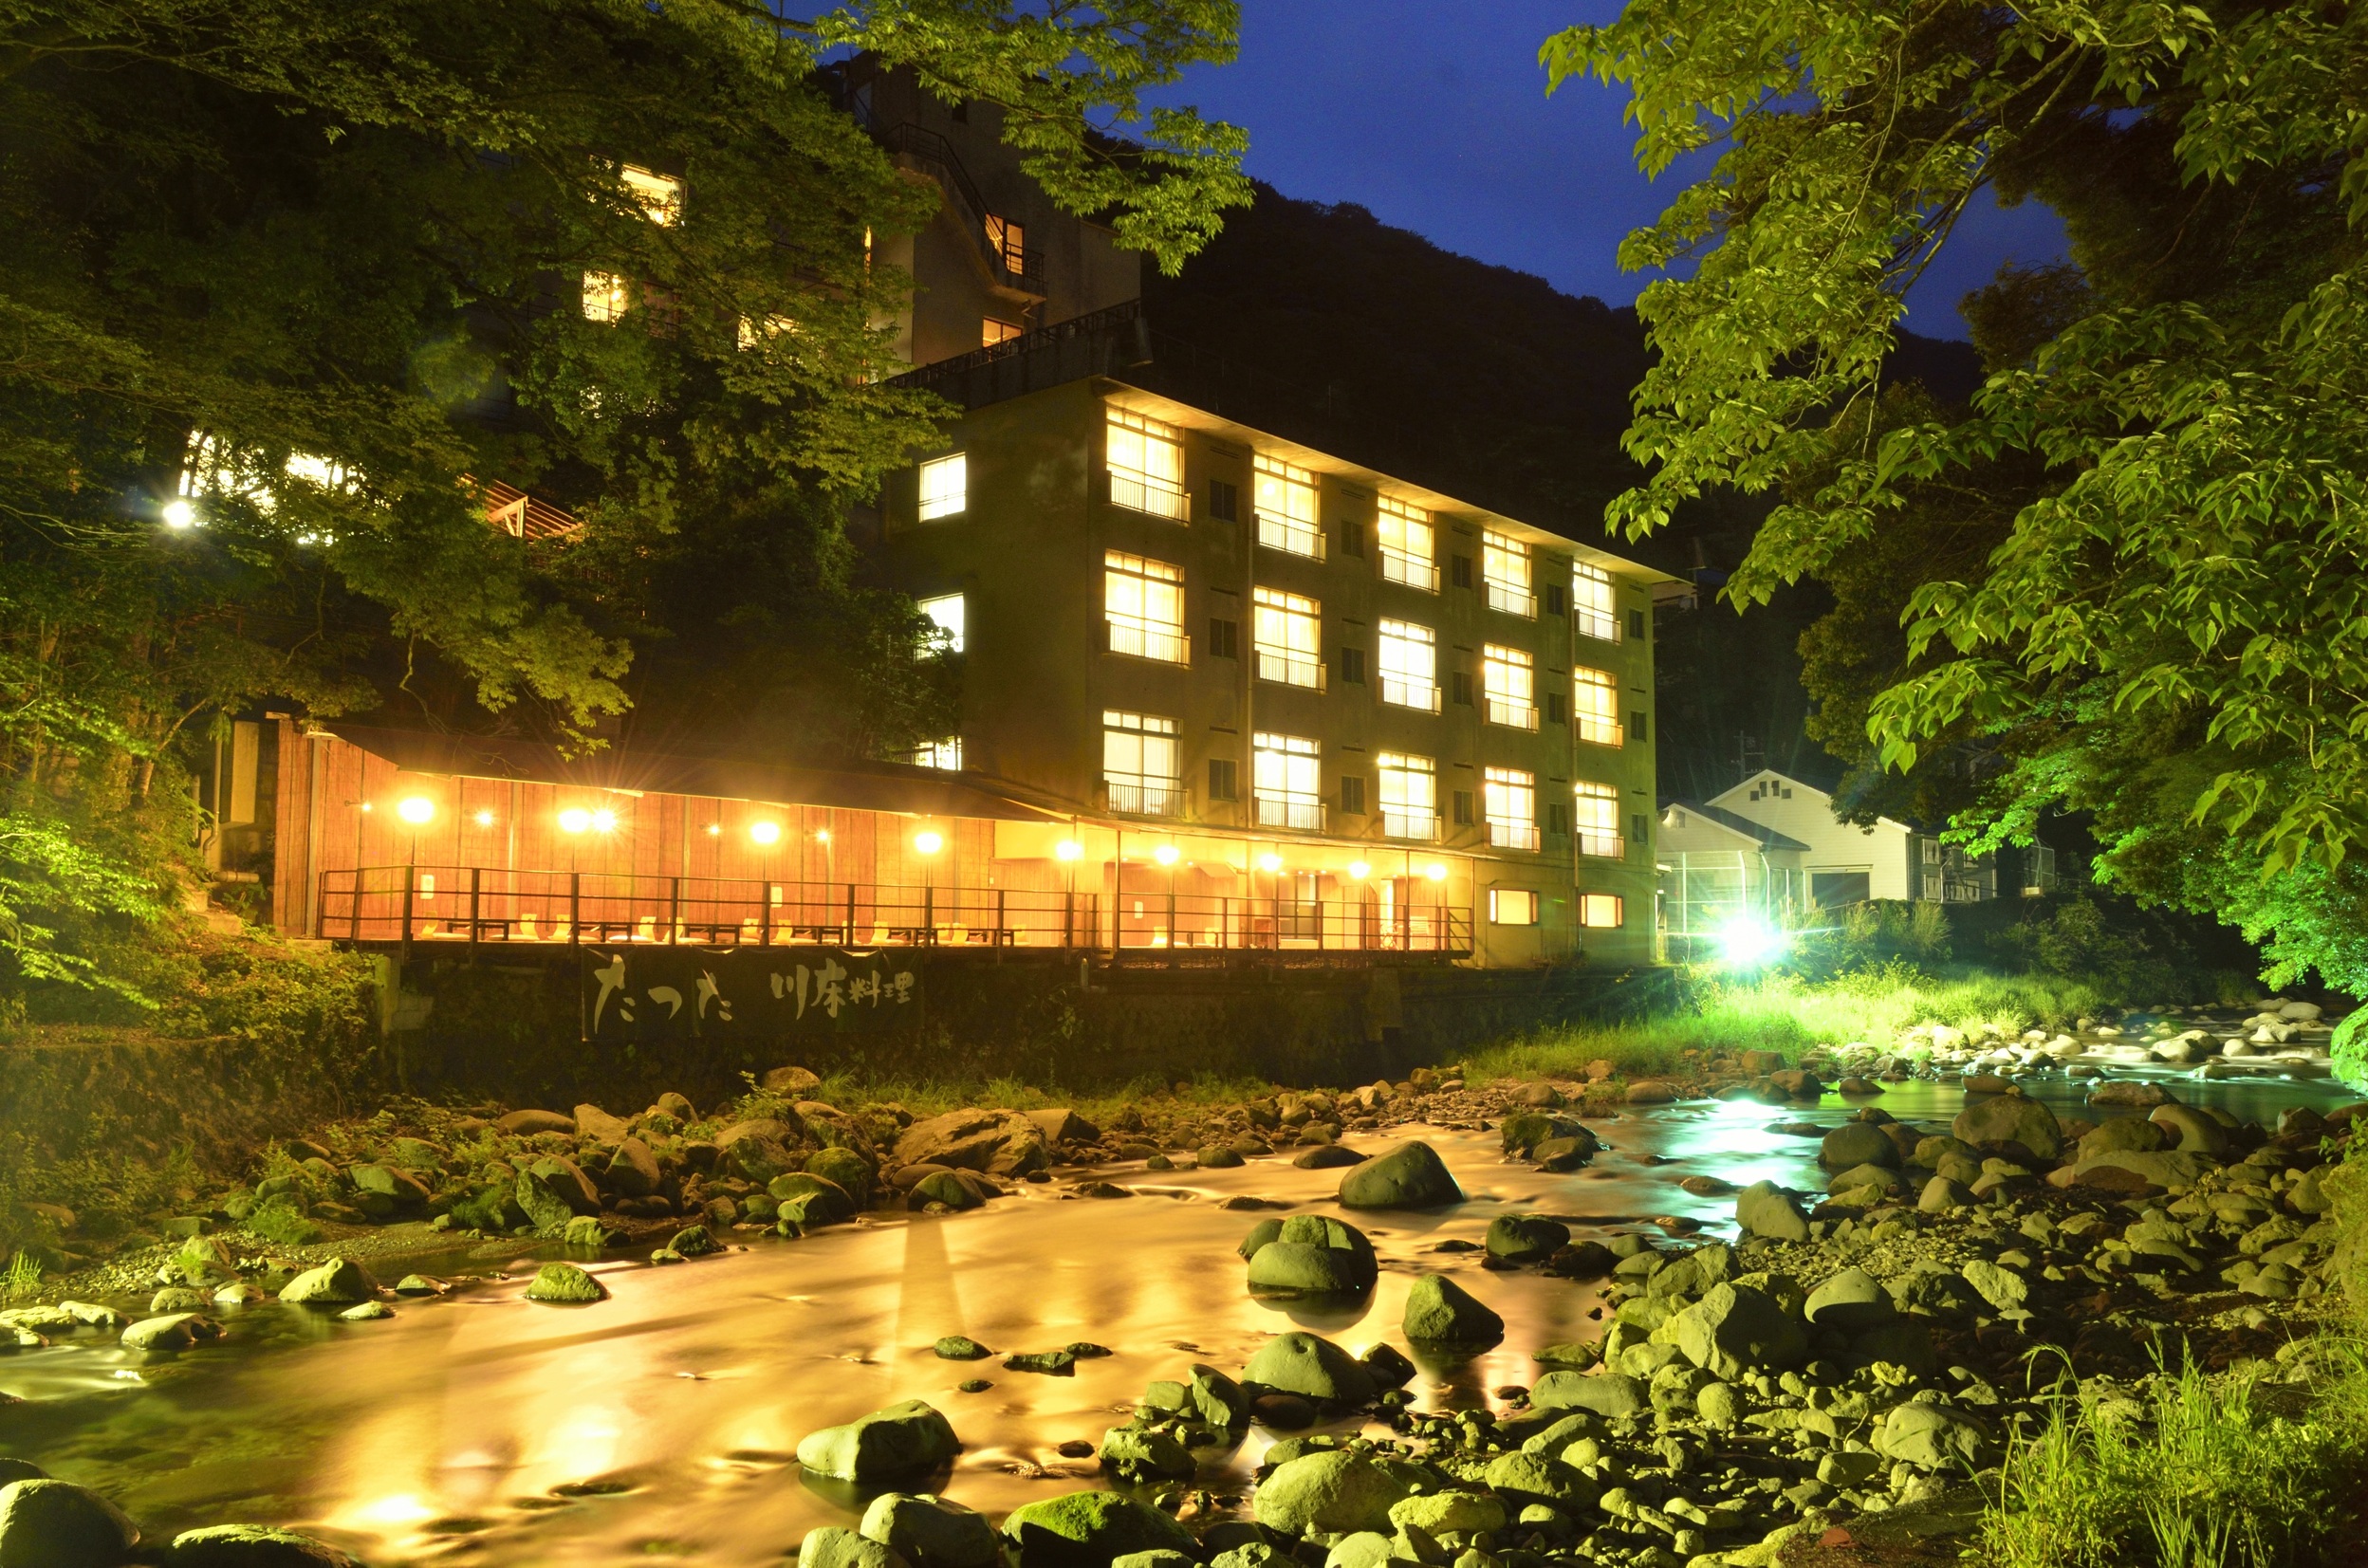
x: 928, y: 843
x: 1359, y: 870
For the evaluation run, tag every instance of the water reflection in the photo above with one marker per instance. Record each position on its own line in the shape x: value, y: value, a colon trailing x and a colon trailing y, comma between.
x: 664, y: 1420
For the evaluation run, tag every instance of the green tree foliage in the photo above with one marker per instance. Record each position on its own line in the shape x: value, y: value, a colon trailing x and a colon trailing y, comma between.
x: 284, y: 285
x: 2129, y: 577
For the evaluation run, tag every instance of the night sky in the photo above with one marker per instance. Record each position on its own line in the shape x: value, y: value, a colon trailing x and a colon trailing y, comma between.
x: 1435, y: 114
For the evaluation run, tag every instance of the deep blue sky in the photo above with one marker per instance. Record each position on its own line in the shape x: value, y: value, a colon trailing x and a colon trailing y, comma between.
x: 1435, y: 114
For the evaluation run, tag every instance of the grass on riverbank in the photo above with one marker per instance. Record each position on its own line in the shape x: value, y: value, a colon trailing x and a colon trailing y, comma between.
x: 2200, y: 1473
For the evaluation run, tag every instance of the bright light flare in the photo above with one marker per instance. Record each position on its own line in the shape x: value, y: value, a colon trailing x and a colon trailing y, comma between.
x: 180, y: 514
x: 765, y: 833
x: 485, y: 819
x: 1269, y: 863
x: 415, y: 809
x: 575, y: 820
x: 1359, y: 870
x: 1166, y: 854
x: 1749, y: 942
x: 1435, y: 870
x: 1069, y: 849
x: 929, y: 843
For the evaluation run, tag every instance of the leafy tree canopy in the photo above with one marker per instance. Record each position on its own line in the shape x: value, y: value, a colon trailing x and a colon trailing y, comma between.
x: 2127, y: 579
x: 286, y: 286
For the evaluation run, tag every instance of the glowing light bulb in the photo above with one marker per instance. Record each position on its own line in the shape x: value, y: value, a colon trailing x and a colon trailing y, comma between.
x: 1165, y: 855
x: 1269, y: 863
x: 415, y: 809
x: 765, y: 833
x: 1437, y: 872
x: 575, y: 820
x: 1359, y: 870
x: 485, y: 819
x: 606, y: 821
x: 180, y: 514
x: 929, y: 843
x: 821, y: 835
x: 1068, y: 849
x: 714, y: 829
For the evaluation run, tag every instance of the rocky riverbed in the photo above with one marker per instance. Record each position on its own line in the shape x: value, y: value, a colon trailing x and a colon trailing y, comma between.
x: 1706, y: 1319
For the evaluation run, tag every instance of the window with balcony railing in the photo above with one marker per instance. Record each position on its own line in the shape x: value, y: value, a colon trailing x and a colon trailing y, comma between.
x: 1141, y: 764
x: 1409, y: 789
x: 1409, y: 659
x: 1146, y: 463
x: 1284, y: 496
x: 1594, y: 818
x: 1594, y: 703
x: 1143, y: 603
x: 1284, y: 782
x: 1504, y: 573
x: 1591, y: 603
x: 1409, y: 548
x: 1284, y: 638
x: 1509, y: 687
x: 1508, y: 798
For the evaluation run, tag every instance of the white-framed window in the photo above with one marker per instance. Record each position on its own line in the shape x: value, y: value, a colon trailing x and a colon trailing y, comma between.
x: 1594, y: 703
x: 1601, y: 910
x: 1409, y: 548
x: 660, y: 195
x: 1139, y: 765
x: 1146, y: 463
x: 1409, y: 787
x: 1284, y: 630
x: 1508, y: 798
x: 1594, y: 818
x: 949, y: 613
x: 946, y: 754
x: 991, y: 331
x: 1284, y: 782
x: 1512, y: 907
x: 1591, y: 602
x: 1504, y: 573
x: 1509, y: 687
x: 1283, y: 498
x: 606, y: 296
x: 1409, y: 658
x: 1144, y: 602
x: 945, y: 486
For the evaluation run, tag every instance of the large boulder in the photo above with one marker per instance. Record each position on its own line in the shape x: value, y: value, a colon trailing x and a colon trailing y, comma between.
x: 2163, y: 1168
x: 2190, y: 1129
x: 968, y: 1140
x: 2011, y: 1118
x: 526, y: 1124
x: 902, y: 1440
x: 1524, y: 1130
x: 253, y: 1546
x: 929, y: 1532
x: 1852, y: 1302
x: 58, y: 1524
x: 762, y: 1147
x: 2123, y: 1134
x: 1140, y: 1454
x: 1089, y: 1529
x: 170, y: 1330
x: 1410, y: 1176
x: 1442, y: 1311
x: 1311, y: 1367
x: 1767, y: 1209
x: 1857, y: 1143
x: 547, y: 1201
x: 1310, y: 1255
x: 593, y: 1122
x: 1735, y: 1331
x: 835, y: 1546
x: 1335, y: 1490
x: 566, y: 1284
x: 1607, y: 1394
x: 1931, y: 1436
x: 1526, y: 1239
x: 1525, y: 1478
x: 337, y: 1282
x: 633, y: 1170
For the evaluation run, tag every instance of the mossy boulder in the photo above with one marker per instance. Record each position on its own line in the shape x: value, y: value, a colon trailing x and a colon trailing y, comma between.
x: 1090, y: 1530
x: 1335, y: 1490
x: 1439, y: 1311
x: 57, y: 1524
x: 338, y: 1282
x: 929, y: 1532
x: 564, y: 1284
x: 1138, y: 1453
x: 253, y: 1546
x: 1526, y: 1239
x: 1410, y: 1176
x: 903, y: 1440
x: 834, y: 1547
x: 849, y: 1169
x: 1310, y: 1255
x: 1311, y: 1367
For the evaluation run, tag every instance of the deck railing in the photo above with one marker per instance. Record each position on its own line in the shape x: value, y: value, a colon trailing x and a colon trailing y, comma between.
x: 475, y: 906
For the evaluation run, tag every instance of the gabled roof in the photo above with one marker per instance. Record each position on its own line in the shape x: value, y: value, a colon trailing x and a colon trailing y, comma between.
x: 1767, y: 775
x: 1759, y: 833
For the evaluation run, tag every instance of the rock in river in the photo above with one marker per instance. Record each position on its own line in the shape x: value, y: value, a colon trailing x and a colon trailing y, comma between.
x: 1765, y: 1209
x: 565, y: 1282
x: 833, y: 1546
x: 1308, y: 1255
x: 1440, y: 1311
x: 337, y: 1282
x: 1334, y: 1490
x: 1608, y: 1394
x: 902, y: 1440
x: 929, y: 1532
x: 2011, y: 1118
x: 1410, y: 1176
x: 1311, y: 1366
x: 58, y: 1524
x: 253, y: 1546
x: 1526, y: 1239
x: 1088, y: 1529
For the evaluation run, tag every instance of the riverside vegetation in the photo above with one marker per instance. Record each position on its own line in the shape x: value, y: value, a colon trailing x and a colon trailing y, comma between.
x: 2040, y: 1340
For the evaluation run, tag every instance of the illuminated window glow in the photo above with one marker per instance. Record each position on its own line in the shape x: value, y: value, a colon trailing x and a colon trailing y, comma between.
x: 1594, y: 701
x: 1007, y: 240
x: 1144, y: 602
x: 944, y: 487
x: 1285, y: 785
x: 1141, y: 764
x: 991, y: 332
x: 660, y: 195
x: 606, y: 296
x: 1508, y: 798
x: 1512, y: 907
x: 1409, y: 548
x: 1285, y: 499
x: 1591, y: 602
x: 1504, y: 573
x: 948, y: 612
x: 1409, y: 658
x: 1409, y: 789
x: 945, y: 754
x: 1594, y: 818
x: 1509, y: 687
x: 1601, y: 910
x: 1146, y: 463
x: 1283, y: 633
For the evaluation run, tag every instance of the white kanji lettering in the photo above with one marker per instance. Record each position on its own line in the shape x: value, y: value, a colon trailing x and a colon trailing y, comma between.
x: 612, y: 978
x: 829, y: 992
x: 670, y: 996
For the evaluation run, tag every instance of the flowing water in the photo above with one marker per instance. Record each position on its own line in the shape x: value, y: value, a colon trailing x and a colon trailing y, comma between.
x: 662, y: 1423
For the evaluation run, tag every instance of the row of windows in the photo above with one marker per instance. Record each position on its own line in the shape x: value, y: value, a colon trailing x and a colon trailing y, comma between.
x: 1145, y: 463
x: 1519, y: 906
x: 1142, y: 772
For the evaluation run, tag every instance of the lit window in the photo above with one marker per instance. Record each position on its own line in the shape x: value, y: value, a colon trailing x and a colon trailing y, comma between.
x: 1591, y: 602
x: 1285, y: 788
x: 1599, y: 910
x: 992, y: 332
x: 1509, y: 687
x: 660, y: 195
x: 945, y: 486
x: 1595, y: 698
x: 1410, y: 796
x: 1007, y: 240
x: 1144, y: 602
x: 753, y: 333
x: 946, y: 754
x: 1508, y: 798
x: 1410, y: 664
x: 1512, y: 907
x: 1146, y: 461
x: 1408, y: 548
x: 606, y: 297
x: 946, y: 611
x: 1505, y: 572
x: 1139, y: 765
x: 1285, y: 499
x: 1595, y: 816
x: 1282, y: 637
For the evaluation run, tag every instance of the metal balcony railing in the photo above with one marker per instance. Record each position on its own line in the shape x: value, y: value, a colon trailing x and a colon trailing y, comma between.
x: 1421, y: 695
x: 1144, y: 796
x: 1287, y: 667
x: 1419, y: 826
x: 1397, y: 566
x: 1290, y: 535
x: 1512, y: 714
x: 1300, y: 813
x: 1141, y: 493
x: 1139, y: 640
x: 1511, y: 835
x: 475, y: 906
x: 1512, y: 598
